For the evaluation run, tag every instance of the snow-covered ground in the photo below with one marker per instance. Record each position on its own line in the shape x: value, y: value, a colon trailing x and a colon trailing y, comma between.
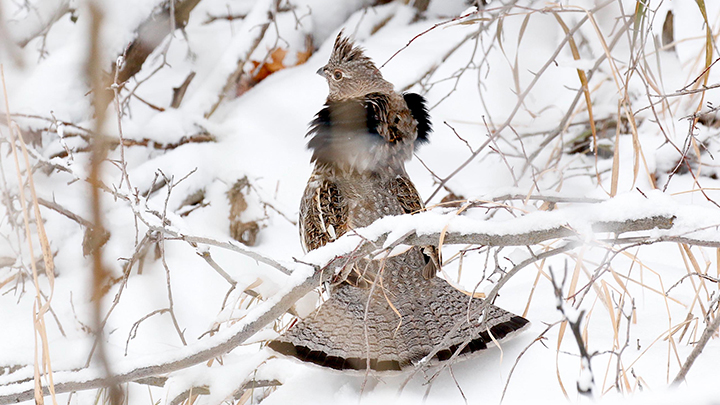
x: 640, y: 326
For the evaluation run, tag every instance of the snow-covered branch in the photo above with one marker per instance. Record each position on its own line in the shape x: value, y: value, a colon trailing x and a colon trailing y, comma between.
x: 150, y: 35
x: 670, y: 222
x: 40, y: 18
x: 224, y: 341
x: 658, y: 214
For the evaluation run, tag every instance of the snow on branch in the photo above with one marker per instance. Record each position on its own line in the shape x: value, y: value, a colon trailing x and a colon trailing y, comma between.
x: 38, y: 21
x: 670, y: 222
x: 659, y: 214
x: 150, y: 35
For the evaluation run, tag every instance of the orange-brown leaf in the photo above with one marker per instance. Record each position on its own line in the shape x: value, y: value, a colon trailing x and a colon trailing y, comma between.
x: 271, y: 66
x: 303, y: 56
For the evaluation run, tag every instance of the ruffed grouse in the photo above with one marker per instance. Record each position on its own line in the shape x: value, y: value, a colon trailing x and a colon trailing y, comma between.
x: 360, y: 142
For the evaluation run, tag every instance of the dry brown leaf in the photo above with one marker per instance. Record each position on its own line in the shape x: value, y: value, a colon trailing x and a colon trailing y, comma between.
x: 303, y: 56
x: 275, y: 62
x: 271, y: 66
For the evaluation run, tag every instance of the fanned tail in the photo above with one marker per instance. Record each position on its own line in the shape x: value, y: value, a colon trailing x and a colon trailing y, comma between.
x: 406, y: 318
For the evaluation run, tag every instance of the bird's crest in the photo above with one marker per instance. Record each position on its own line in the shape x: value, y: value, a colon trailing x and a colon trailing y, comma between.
x: 345, y: 50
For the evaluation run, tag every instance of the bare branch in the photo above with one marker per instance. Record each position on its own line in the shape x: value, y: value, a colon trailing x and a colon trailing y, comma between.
x: 710, y: 330
x: 64, y: 211
x: 586, y: 381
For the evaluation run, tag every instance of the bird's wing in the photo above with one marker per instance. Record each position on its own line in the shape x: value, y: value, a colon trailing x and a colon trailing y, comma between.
x: 350, y: 133
x: 342, y: 128
x: 323, y: 213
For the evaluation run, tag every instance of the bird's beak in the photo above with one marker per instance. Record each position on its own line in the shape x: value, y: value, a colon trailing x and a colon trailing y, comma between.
x: 321, y: 71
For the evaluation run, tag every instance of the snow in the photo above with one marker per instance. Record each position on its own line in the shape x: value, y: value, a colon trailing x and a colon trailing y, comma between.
x: 585, y: 382
x: 260, y: 136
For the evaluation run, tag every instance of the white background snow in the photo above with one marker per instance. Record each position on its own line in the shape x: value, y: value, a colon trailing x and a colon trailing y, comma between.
x: 260, y: 135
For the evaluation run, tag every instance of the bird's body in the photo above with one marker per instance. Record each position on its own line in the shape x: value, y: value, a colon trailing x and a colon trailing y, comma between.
x: 391, y: 311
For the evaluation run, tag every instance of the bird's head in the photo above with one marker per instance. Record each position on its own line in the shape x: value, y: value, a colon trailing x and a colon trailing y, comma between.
x: 351, y: 74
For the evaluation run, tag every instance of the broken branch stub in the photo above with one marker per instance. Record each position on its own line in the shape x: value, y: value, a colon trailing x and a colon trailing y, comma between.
x: 241, y: 230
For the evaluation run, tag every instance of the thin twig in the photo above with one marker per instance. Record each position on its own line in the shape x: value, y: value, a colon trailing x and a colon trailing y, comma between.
x: 710, y: 330
x: 521, y: 98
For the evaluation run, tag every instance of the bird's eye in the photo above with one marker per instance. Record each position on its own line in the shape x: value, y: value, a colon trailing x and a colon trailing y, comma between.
x: 337, y: 75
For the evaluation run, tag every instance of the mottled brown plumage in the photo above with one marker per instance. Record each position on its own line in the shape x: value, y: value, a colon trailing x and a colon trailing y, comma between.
x: 392, y: 311
x: 325, y: 213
